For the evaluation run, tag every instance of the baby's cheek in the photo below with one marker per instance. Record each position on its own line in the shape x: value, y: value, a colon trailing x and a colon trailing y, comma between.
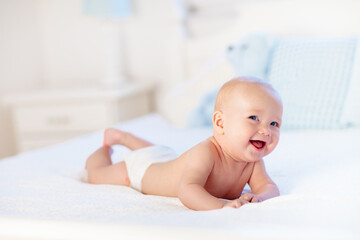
x: 270, y: 149
x: 271, y: 146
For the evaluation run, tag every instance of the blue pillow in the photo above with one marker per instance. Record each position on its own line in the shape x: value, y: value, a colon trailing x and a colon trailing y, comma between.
x: 202, y: 114
x: 312, y: 77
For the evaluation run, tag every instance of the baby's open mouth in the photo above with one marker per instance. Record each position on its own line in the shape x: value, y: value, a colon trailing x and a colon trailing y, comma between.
x: 258, y: 144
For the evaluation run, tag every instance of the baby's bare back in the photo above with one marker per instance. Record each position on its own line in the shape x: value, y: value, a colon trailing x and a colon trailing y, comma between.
x: 223, y: 181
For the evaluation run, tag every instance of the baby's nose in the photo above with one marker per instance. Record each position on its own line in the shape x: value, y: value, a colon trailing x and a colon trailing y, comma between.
x: 264, y: 131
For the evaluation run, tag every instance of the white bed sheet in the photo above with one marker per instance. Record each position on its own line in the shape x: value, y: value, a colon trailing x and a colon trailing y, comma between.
x: 318, y: 173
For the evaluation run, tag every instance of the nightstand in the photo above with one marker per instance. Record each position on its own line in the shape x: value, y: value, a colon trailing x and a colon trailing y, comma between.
x: 46, y: 117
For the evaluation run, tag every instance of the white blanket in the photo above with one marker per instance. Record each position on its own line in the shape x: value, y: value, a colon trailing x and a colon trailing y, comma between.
x: 318, y: 173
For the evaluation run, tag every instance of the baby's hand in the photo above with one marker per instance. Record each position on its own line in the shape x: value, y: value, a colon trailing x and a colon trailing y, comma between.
x: 236, y: 203
x: 244, y: 199
x: 249, y: 197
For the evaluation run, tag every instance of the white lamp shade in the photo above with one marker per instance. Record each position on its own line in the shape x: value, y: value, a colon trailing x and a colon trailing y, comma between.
x: 110, y: 9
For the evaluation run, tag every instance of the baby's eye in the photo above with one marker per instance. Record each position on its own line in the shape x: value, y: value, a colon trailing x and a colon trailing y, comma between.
x: 254, y: 118
x: 275, y: 124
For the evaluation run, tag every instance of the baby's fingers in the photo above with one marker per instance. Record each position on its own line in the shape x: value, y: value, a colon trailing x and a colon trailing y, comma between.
x: 250, y: 198
x: 236, y: 203
x: 247, y: 197
x: 255, y: 199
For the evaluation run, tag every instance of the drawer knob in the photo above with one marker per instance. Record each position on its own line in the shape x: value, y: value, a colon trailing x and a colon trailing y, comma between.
x: 58, y: 120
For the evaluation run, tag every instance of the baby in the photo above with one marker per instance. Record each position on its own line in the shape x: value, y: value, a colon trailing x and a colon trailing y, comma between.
x: 213, y: 173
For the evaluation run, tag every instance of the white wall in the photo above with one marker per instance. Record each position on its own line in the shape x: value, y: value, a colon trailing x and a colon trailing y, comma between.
x: 71, y: 44
x: 20, y: 57
x: 74, y: 45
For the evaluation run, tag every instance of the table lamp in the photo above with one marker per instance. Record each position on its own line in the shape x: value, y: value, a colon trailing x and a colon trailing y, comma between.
x: 111, y: 12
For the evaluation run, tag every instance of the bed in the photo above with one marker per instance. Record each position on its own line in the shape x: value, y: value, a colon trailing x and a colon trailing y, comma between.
x: 43, y: 195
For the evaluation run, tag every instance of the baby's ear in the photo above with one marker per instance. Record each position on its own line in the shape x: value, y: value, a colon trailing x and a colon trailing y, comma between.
x: 218, y: 122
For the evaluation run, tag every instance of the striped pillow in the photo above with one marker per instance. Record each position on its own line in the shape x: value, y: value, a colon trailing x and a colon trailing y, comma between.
x: 312, y: 76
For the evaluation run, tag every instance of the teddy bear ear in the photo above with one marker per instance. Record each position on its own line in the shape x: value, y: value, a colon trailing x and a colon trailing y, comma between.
x: 249, y: 56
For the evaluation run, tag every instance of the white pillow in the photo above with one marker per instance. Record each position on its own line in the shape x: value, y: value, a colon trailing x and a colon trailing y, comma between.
x: 351, y: 114
x: 312, y: 76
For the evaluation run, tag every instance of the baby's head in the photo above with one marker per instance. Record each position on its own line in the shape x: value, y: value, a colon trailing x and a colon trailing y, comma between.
x: 247, y: 118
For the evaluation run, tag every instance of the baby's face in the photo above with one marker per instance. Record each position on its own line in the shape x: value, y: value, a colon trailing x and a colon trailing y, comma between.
x: 252, y: 121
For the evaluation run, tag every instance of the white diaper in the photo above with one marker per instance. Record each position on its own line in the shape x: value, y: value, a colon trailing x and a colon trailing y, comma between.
x: 138, y: 161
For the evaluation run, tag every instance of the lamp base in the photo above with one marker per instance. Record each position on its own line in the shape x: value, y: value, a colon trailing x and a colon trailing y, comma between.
x: 115, y: 81
x: 114, y: 63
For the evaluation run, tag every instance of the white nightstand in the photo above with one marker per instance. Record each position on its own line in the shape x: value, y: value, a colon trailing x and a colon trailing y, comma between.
x: 46, y: 117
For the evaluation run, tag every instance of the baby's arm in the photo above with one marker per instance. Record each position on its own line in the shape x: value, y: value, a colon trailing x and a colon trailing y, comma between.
x: 261, y: 185
x: 191, y: 189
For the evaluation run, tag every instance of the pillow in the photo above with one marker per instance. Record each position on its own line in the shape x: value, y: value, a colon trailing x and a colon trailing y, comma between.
x: 202, y: 114
x: 351, y: 114
x: 312, y: 76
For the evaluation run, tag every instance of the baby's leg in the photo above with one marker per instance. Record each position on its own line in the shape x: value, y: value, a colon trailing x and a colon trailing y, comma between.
x: 99, y: 164
x: 114, y: 136
x: 102, y: 171
x: 100, y: 158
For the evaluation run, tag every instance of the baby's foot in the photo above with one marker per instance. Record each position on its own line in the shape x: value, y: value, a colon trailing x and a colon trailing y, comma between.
x: 114, y: 136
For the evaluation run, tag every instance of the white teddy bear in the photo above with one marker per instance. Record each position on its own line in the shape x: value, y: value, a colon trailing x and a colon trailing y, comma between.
x: 249, y: 57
